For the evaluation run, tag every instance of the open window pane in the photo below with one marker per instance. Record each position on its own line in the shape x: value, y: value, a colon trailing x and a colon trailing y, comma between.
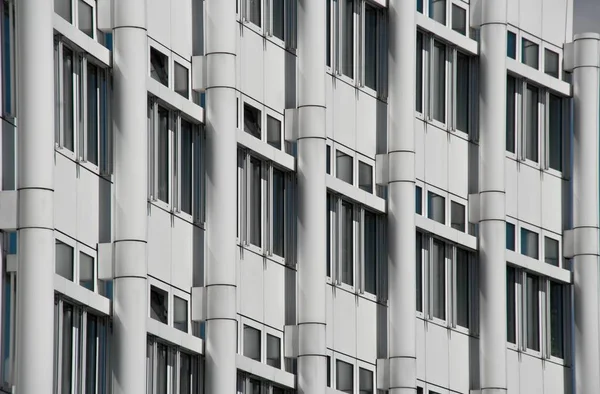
x: 64, y: 9
x: 252, y: 121
x: 438, y: 280
x: 370, y: 46
x: 85, y: 18
x: 510, y: 236
x: 438, y: 80
x: 529, y: 243
x: 551, y: 63
x: 278, y: 18
x: 255, y: 207
x: 273, y: 132
x: 163, y: 155
x: 551, y: 251
x: 159, y: 304
x: 556, y: 320
x: 180, y: 316
x: 273, y: 351
x: 419, y: 271
x: 365, y: 381
x: 64, y: 260
x: 344, y: 379
x: 159, y: 66
x: 530, y: 53
x: 254, y: 12
x: 437, y: 11
x: 186, y: 166
x: 462, y: 288
x: 278, y: 212
x: 531, y: 124
x: 347, y: 238
x: 68, y: 100
x: 511, y: 45
x: 533, y: 312
x: 511, y: 308
x: 459, y: 19
x: 511, y: 91
x: 252, y: 343
x: 181, y: 80
x: 365, y: 177
x: 462, y: 92
x: 457, y: 216
x: 92, y: 114
x: 347, y: 41
x: 419, y: 72
x: 370, y: 252
x: 436, y: 208
x: 555, y: 122
x: 343, y: 167
x: 86, y: 271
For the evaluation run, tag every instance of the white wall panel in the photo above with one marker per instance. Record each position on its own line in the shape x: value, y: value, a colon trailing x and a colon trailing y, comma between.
x: 512, y: 12
x: 273, y: 294
x: 65, y: 195
x: 531, y: 376
x: 436, y: 157
x: 530, y: 16
x: 330, y: 102
x: 181, y: 28
x: 274, y: 76
x: 459, y: 361
x: 557, y: 379
x: 87, y: 207
x: 552, y: 203
x: 251, y: 288
x: 159, y: 21
x: 554, y: 21
x: 181, y: 254
x: 159, y: 244
x: 344, y: 313
x: 513, y: 372
x: 366, y: 330
x: 366, y: 124
x: 329, y: 320
x: 419, y: 149
x: 436, y: 345
x: 344, y: 108
x: 421, y: 350
x: 252, y: 65
x: 458, y: 166
x: 511, y: 183
x: 529, y: 195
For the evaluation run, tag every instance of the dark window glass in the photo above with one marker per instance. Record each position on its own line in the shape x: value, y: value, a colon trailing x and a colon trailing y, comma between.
x: 556, y: 320
x: 328, y: 32
x: 510, y: 236
x: 180, y: 316
x: 459, y: 19
x: 344, y: 167
x: 436, y: 208
x: 67, y: 349
x: 328, y: 158
x: 438, y: 280
x: 182, y: 80
x: 91, y: 351
x: 85, y: 18
x: 63, y: 8
x: 530, y: 53
x: 86, y: 271
x: 273, y: 132
x: 419, y: 76
x: 551, y: 251
x: 64, y: 260
x: 159, y: 66
x: 365, y: 177
x: 511, y: 45
x: 159, y: 300
x: 462, y: 92
x: 68, y: 100
x: 330, y: 212
x: 551, y: 63
x: 347, y: 234
x: 555, y: 133
x: 419, y: 270
x: 418, y: 200
x: 278, y: 18
x: 347, y: 41
x: 273, y: 351
x: 457, y: 216
x: 161, y: 369
x: 252, y: 121
x: 344, y: 379
x: 370, y: 46
x: 420, y: 6
x: 254, y: 12
x: 438, y: 80
x: 278, y: 212
x: 370, y: 252
x: 365, y: 381
x: 186, y: 166
x: 437, y: 11
x: 533, y: 312
x: 511, y: 311
x: 92, y: 114
x: 462, y: 288
x: 252, y: 343
x: 255, y: 201
x: 185, y: 370
x: 531, y: 124
x: 529, y: 243
x: 511, y: 91
x: 163, y: 154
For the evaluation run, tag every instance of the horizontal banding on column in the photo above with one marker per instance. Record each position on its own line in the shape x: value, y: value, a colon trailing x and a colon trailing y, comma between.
x: 586, y: 241
x: 220, y: 70
x: 492, y: 205
x: 401, y: 166
x: 130, y: 259
x: 311, y: 339
x: 220, y: 302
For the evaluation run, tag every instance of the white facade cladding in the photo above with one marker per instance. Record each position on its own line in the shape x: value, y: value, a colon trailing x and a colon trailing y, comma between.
x: 298, y: 196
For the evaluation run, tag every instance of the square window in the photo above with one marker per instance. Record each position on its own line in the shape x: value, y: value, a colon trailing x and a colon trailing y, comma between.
x: 273, y: 351
x: 180, y: 316
x: 365, y: 381
x: 551, y: 63
x: 64, y: 9
x: 344, y: 377
x: 418, y: 200
x: 86, y: 271
x: 181, y: 80
x: 64, y: 260
x: 159, y: 66
x: 459, y: 19
x: 551, y: 251
x: 511, y: 45
x: 365, y: 177
x: 252, y: 343
x: 273, y: 132
x: 457, y: 216
x: 529, y: 243
x: 252, y: 121
x: 436, y: 208
x: 510, y: 236
x: 84, y: 19
x: 530, y: 53
x: 437, y: 11
x: 159, y: 309
x: 343, y: 167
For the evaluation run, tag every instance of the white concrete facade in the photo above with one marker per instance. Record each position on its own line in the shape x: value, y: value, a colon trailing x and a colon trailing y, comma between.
x: 311, y: 196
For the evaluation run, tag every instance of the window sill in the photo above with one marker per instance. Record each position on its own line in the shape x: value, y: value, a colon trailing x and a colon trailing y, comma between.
x: 83, y: 41
x: 266, y: 151
x: 265, y: 371
x: 174, y: 336
x: 540, y: 267
x: 459, y: 238
x: 463, y: 43
x: 82, y: 295
x: 174, y: 100
x: 360, y: 196
x: 538, y: 77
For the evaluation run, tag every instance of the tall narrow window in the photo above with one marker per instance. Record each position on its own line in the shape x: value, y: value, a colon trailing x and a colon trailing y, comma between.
x: 418, y: 200
x: 161, y: 369
x: 419, y: 271
x: 68, y: 100
x: 459, y: 19
x: 92, y: 114
x: 462, y: 288
x: 344, y: 379
x: 510, y: 236
x: 254, y: 12
x: 252, y: 121
x: 370, y: 46
x: 278, y: 18
x: 419, y: 76
x: 347, y: 238
x: 370, y: 252
x: 529, y: 243
x: 551, y: 251
x: 462, y: 92
x: 163, y: 155
x: 330, y: 213
x: 555, y: 132
x: 347, y: 41
x: 511, y: 45
x: 436, y: 208
x: 255, y: 207
x: 438, y: 280
x: 556, y: 320
x: 278, y: 212
x: 511, y: 91
x: 67, y: 348
x: 328, y: 33
x: 438, y: 92
x: 533, y: 312
x: 511, y: 306
x: 531, y: 124
x: 186, y: 155
x: 9, y: 57
x: 437, y: 11
x: 159, y: 66
x: 530, y: 53
x: 420, y: 6
x: 91, y: 351
x: 185, y: 373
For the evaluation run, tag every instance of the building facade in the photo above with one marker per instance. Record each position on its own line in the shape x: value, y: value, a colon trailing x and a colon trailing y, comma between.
x: 313, y: 196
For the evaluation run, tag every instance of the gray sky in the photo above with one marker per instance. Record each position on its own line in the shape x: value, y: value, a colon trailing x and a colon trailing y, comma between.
x: 586, y: 16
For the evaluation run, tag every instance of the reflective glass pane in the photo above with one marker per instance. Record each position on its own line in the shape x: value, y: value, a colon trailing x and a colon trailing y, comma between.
x: 530, y: 53
x: 278, y: 18
x: 159, y: 66
x: 347, y: 41
x: 438, y: 90
x: 555, y: 123
x: 419, y: 271
x: 159, y: 304
x: 529, y: 243
x: 511, y: 91
x: 67, y: 349
x: 510, y: 236
x: 344, y: 167
x: 278, y: 212
x: 344, y: 379
x: 252, y: 343
x: 457, y: 216
x: 163, y: 154
x: 92, y: 114
x: 436, y: 208
x: 64, y: 9
x: 365, y: 177
x: 462, y: 92
x: 347, y: 235
x: 511, y: 311
x: 182, y: 80
x: 437, y: 11
x: 252, y: 121
x: 370, y: 46
x: 419, y: 72
x: 511, y: 45
x: 551, y: 63
x: 186, y: 166
x: 255, y: 201
x: 533, y: 313
x: 85, y: 18
x: 185, y: 370
x: 273, y: 132
x: 370, y: 252
x: 531, y: 123
x: 459, y: 19
x: 180, y: 317
x: 64, y: 260
x: 551, y: 251
x: 556, y: 320
x: 438, y: 280
x: 86, y: 271
x: 462, y: 288
x: 365, y: 381
x: 273, y: 351
x: 68, y: 100
x: 254, y: 12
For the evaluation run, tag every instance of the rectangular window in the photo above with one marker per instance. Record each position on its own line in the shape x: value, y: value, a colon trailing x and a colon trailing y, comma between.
x: 551, y: 251
x: 438, y: 280
x: 330, y: 216
x: 344, y: 167
x: 418, y: 200
x: 510, y: 236
x: 91, y: 351
x: 328, y: 159
x: 531, y: 123
x: 68, y: 109
x: 462, y: 288
x: 161, y: 369
x: 511, y: 94
x: 370, y: 252
x: 365, y: 177
x: 8, y: 44
x: 159, y: 66
x: 365, y: 381
x: 67, y: 348
x: 252, y: 343
x: 370, y: 42
x: 459, y: 19
x: 556, y: 320
x: 436, y: 207
x: 187, y: 166
x: 163, y: 155
x: 185, y: 373
x: 457, y: 216
x: 273, y: 351
x: 273, y: 132
x: 278, y: 199
x: 344, y: 377
x: 64, y: 9
x: 420, y: 6
x: 511, y: 305
x: 252, y: 121
x: 254, y: 12
x: 437, y: 11
x: 462, y: 92
x: 278, y: 18
x: 181, y: 77
x: 529, y: 243
x: 419, y: 271
x: 347, y: 37
x: 347, y: 243
x: 64, y: 260
x: 328, y: 32
x: 92, y: 114
x: 530, y: 53
x: 555, y: 123
x: 86, y: 271
x: 419, y: 72
x: 180, y: 315
x: 533, y: 312
x: 551, y: 63
x: 84, y: 18
x: 159, y: 309
x: 511, y: 45
x: 438, y: 80
x: 255, y: 200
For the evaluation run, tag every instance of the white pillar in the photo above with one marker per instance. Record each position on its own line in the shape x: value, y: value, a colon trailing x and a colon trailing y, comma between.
x: 130, y: 298
x: 401, y: 198
x: 35, y: 292
x: 492, y: 225
x: 221, y: 196
x: 312, y: 196
x: 585, y: 212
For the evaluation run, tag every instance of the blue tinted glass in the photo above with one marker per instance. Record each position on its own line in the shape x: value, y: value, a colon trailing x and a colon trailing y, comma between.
x: 418, y: 200
x: 511, y: 45
x: 510, y: 236
x: 420, y: 6
x: 109, y: 41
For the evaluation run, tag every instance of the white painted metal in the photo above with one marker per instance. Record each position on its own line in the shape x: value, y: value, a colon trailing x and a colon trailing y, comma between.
x: 586, y: 153
x: 221, y: 152
x: 401, y: 198
x: 130, y: 300
x: 492, y: 226
x: 311, y: 198
x: 35, y: 299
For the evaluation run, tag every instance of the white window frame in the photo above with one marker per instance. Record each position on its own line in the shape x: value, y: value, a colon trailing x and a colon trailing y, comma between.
x: 541, y: 314
x: 175, y: 58
x: 381, y: 58
x: 60, y: 45
x: 542, y: 240
x: 536, y: 230
x: 175, y: 292
x: 336, y: 37
x: 153, y: 44
x: 516, y: 155
x: 58, y: 236
x: 81, y: 248
x: 449, y: 10
x: 447, y: 271
x: 274, y: 333
x: 245, y: 17
x: 541, y: 126
x: 440, y: 192
x: 453, y: 198
x: 452, y: 102
x: 244, y: 321
x: 153, y: 146
x: 349, y: 360
x: 359, y: 157
x: 264, y: 112
x: 519, y: 306
x: 447, y: 83
x: 369, y: 367
x: 535, y: 40
x: 546, y: 45
x: 277, y: 116
x: 564, y: 128
x: 472, y: 291
x: 566, y: 302
x: 75, y: 16
x: 152, y: 282
x: 173, y: 365
x: 425, y: 62
x: 380, y: 258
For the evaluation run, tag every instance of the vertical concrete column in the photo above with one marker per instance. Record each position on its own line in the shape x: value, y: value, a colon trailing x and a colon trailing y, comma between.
x: 492, y: 225
x: 35, y: 293
x: 130, y: 301
x: 586, y: 86
x: 221, y: 196
x: 401, y: 198
x: 312, y: 192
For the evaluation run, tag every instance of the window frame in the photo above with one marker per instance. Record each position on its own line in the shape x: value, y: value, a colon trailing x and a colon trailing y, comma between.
x: 566, y: 327
x: 545, y: 46
x: 450, y: 12
x: 447, y: 249
x: 267, y: 330
x: 534, y: 40
x: 153, y: 44
x: 75, y: 17
x: 173, y: 366
x: 348, y: 360
x: 448, y: 77
x: 541, y: 305
x: 244, y: 321
x: 167, y: 290
x: 58, y: 236
x: 548, y: 234
x: 366, y: 366
x: 187, y: 65
x: 425, y: 61
x: 564, y: 131
x: 540, y: 124
x: 537, y: 231
x: 8, y: 50
x: 438, y: 192
x: 175, y: 292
